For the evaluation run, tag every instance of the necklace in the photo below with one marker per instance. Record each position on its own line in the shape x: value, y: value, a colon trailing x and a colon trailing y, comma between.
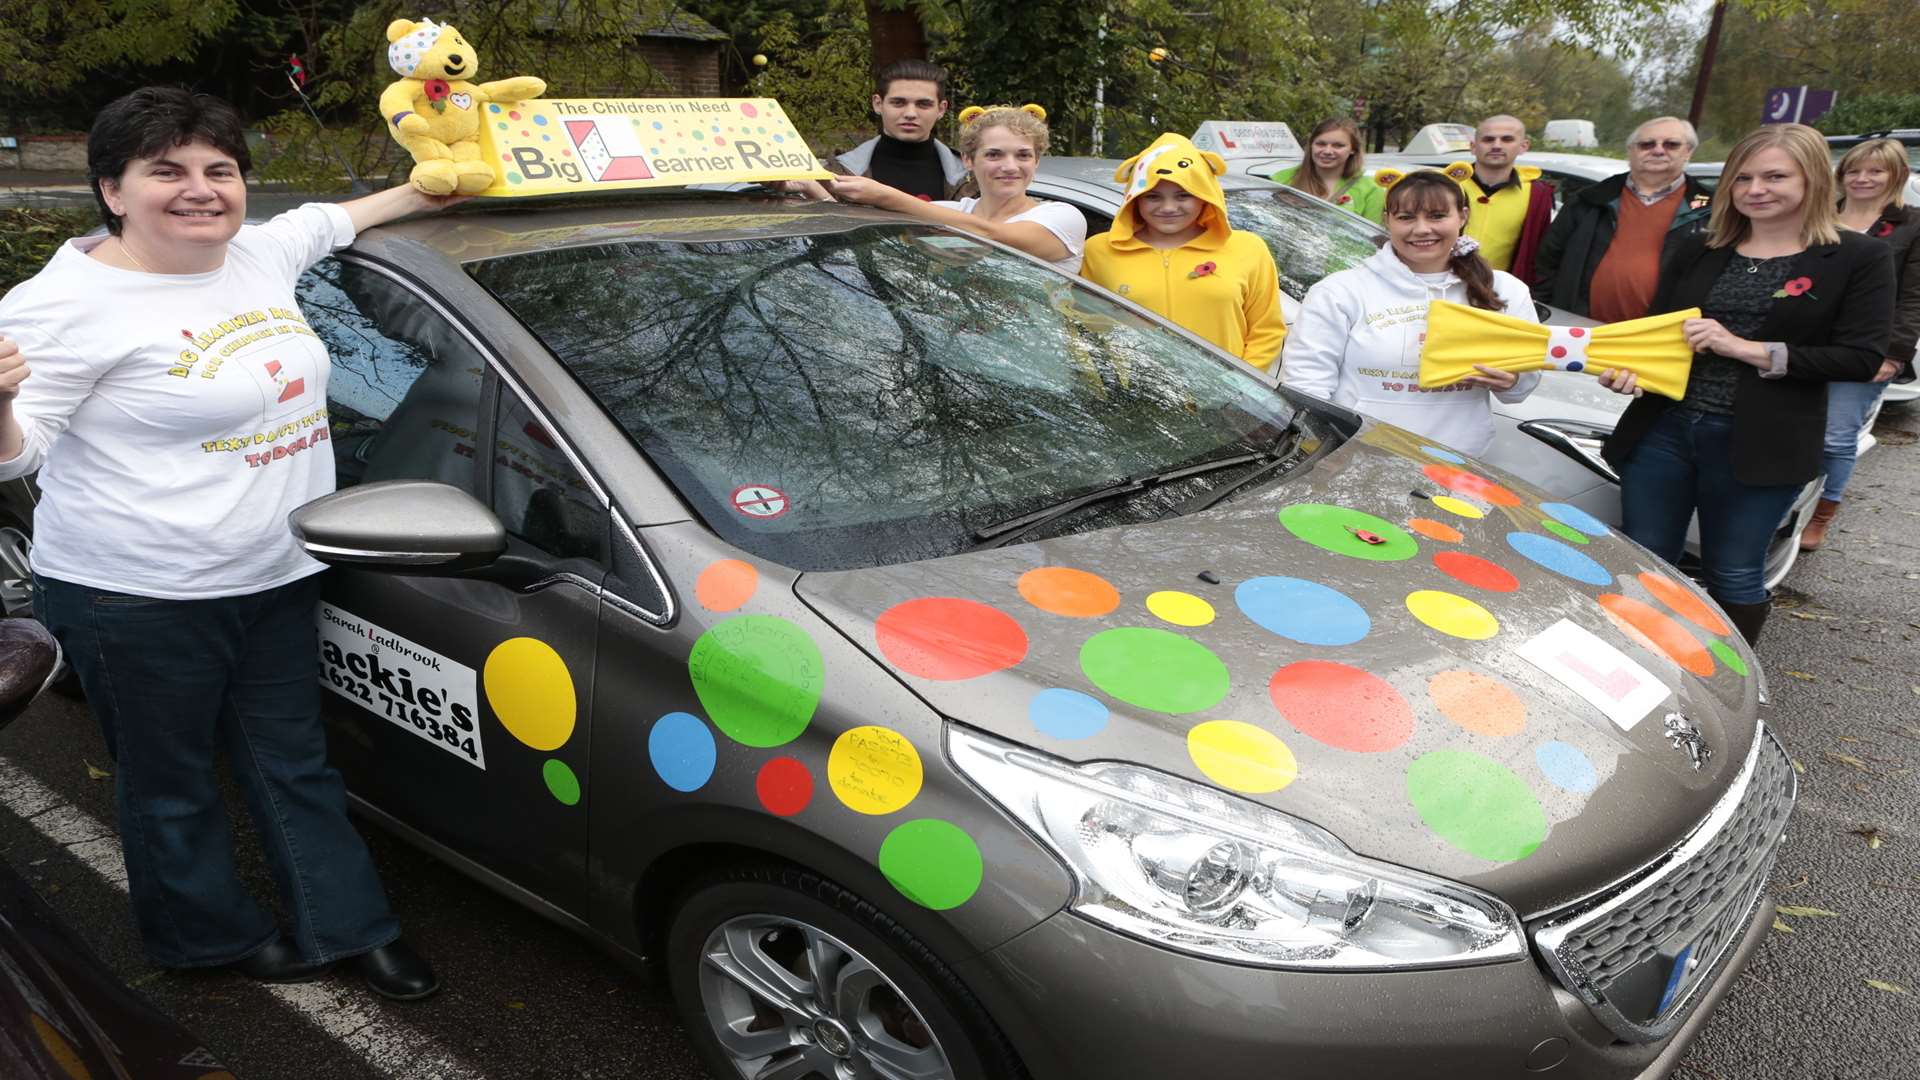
x: 128, y: 252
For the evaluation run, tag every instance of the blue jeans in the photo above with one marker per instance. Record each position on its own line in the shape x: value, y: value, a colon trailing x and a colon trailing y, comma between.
x: 172, y: 683
x: 1684, y: 464
x: 1848, y: 404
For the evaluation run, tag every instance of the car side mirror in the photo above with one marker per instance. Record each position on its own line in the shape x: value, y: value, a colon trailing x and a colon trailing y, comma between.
x: 405, y: 526
x: 28, y: 657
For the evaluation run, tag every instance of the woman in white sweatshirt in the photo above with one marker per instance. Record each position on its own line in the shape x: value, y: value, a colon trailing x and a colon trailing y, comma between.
x: 1357, y: 340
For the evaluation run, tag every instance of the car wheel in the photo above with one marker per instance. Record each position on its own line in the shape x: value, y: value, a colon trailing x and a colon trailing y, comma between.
x: 778, y: 972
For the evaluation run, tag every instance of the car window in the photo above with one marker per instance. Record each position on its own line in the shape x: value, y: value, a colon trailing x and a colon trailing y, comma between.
x: 876, y: 396
x: 538, y: 495
x: 403, y: 397
x: 1310, y: 239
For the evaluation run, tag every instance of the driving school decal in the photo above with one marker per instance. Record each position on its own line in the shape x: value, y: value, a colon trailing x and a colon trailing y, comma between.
x: 412, y: 686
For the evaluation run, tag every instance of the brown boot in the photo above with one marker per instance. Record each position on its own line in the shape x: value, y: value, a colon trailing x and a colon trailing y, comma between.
x: 1749, y: 618
x: 1815, y: 533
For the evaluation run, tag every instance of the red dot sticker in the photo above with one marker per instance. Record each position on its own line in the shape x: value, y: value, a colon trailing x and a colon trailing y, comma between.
x: 785, y: 786
x: 1576, y: 332
x: 747, y: 109
x: 1475, y: 571
x: 1342, y: 706
x: 1470, y: 485
x: 948, y: 638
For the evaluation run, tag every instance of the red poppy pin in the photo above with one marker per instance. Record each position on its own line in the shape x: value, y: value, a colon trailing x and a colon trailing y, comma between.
x: 1799, y: 286
x: 1486, y: 198
x: 1202, y: 270
x: 436, y: 91
x: 1344, y: 199
x: 1885, y: 228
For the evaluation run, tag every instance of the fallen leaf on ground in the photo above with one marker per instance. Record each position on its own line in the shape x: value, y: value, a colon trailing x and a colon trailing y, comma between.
x: 516, y: 1004
x: 1802, y: 676
x: 1782, y: 927
x: 1891, y: 988
x: 1808, y: 912
x: 1870, y: 834
x: 95, y: 772
x: 1847, y: 759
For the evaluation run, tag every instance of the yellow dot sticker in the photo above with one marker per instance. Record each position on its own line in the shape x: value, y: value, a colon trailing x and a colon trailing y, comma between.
x: 1241, y: 757
x: 874, y: 770
x: 1180, y: 609
x: 530, y: 691
x: 1452, y: 614
x: 1458, y: 506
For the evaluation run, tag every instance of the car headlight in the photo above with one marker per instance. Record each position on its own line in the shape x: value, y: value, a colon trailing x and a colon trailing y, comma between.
x: 1192, y: 869
x: 1578, y: 440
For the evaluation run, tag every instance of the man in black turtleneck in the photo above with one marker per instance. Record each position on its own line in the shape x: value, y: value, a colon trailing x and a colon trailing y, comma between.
x: 910, y: 98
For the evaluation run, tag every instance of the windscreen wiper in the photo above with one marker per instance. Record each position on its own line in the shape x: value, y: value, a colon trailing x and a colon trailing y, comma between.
x: 1283, y: 455
x: 1004, y: 532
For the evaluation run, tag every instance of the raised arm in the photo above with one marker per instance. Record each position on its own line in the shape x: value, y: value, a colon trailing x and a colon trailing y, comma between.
x: 393, y: 204
x: 1029, y: 236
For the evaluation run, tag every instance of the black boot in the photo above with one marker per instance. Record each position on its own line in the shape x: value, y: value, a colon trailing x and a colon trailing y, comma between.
x: 1749, y: 618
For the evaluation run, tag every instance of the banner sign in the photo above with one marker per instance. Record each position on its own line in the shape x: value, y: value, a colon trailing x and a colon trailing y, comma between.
x: 1251, y: 138
x: 1797, y: 105
x: 545, y: 147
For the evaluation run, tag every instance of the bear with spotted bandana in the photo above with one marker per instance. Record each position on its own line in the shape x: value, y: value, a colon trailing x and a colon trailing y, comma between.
x: 434, y: 108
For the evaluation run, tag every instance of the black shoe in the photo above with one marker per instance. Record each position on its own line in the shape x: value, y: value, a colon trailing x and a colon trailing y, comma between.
x: 279, y: 962
x: 1749, y: 618
x: 396, y: 971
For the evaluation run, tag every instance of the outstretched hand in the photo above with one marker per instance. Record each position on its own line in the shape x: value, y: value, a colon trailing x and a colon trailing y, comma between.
x: 1622, y: 381
x: 13, y: 369
x: 863, y: 189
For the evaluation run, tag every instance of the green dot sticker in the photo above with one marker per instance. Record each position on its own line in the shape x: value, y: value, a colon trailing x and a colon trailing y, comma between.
x: 560, y: 781
x: 1154, y: 669
x: 1570, y: 535
x: 1476, y: 804
x: 932, y: 862
x: 1727, y: 655
x: 758, y: 677
x: 1349, y: 532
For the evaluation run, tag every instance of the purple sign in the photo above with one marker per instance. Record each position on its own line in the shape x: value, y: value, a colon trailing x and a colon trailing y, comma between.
x: 1797, y: 105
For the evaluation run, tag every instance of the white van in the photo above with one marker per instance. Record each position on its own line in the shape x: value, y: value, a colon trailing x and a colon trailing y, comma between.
x: 1570, y: 133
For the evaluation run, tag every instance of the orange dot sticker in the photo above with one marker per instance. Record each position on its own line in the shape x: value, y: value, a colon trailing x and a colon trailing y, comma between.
x: 726, y: 584
x: 1062, y: 590
x: 1479, y: 703
x: 949, y: 638
x: 1474, y: 487
x: 1668, y: 637
x: 1434, y: 530
x: 1685, y: 602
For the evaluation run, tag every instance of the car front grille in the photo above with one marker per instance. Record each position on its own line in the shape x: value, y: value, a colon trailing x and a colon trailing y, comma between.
x: 1638, y: 953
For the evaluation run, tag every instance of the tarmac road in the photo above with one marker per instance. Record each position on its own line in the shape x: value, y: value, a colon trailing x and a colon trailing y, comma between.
x: 527, y: 999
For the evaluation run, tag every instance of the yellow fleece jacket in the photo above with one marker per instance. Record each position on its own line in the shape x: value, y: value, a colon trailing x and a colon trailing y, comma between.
x: 1221, y: 285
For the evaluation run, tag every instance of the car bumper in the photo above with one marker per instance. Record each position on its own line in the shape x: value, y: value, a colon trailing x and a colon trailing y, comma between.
x: 1080, y: 1001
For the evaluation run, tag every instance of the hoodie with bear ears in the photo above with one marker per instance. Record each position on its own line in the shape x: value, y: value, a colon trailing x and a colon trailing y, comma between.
x: 1222, y: 285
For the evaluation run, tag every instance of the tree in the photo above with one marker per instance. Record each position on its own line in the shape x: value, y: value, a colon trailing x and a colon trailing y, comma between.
x: 53, y: 51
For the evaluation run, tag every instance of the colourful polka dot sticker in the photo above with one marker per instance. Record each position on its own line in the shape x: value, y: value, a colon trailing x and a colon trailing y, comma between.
x: 682, y: 751
x: 1062, y: 590
x: 784, y: 786
x: 1452, y: 614
x: 1559, y: 558
x: 1566, y: 767
x: 874, y: 770
x: 1349, y: 532
x: 1154, y: 669
x: 1574, y: 517
x: 948, y: 638
x: 1478, y: 703
x: 1668, y: 637
x: 1067, y: 714
x: 726, y: 585
x: 1475, y: 571
x: 531, y: 692
x: 1564, y: 532
x: 1474, y: 487
x: 1444, y: 455
x: 1435, y: 530
x: 1241, y: 757
x: 933, y: 863
x: 1685, y: 603
x: 1460, y: 507
x: 1342, y: 706
x: 1728, y: 656
x: 1180, y: 608
x: 561, y: 783
x: 1476, y: 804
x: 1304, y: 611
x: 759, y: 677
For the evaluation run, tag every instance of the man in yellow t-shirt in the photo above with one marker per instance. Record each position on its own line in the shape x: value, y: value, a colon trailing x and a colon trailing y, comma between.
x: 1511, y: 207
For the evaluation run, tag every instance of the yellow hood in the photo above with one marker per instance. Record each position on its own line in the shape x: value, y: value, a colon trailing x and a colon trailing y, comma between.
x: 1174, y: 157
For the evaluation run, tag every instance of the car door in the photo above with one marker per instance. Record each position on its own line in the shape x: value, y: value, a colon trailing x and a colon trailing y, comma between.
x: 460, y: 707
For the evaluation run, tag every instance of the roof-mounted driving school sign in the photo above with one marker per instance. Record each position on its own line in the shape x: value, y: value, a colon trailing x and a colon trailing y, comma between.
x: 565, y: 145
x: 1247, y: 138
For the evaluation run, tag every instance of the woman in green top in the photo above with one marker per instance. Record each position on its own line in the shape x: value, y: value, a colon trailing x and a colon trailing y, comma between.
x: 1334, y: 170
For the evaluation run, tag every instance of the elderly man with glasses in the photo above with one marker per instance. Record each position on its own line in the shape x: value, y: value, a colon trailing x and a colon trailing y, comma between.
x: 1602, y: 257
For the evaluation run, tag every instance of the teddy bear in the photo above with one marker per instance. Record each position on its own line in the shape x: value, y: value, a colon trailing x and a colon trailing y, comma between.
x: 434, y: 109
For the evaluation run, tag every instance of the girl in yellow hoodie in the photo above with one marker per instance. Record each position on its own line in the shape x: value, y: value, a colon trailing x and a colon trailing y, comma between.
x: 1172, y: 251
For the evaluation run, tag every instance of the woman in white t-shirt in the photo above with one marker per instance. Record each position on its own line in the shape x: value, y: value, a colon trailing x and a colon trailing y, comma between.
x: 1001, y: 147
x: 174, y: 386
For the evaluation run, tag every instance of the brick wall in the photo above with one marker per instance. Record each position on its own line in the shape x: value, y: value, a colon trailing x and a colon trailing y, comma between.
x: 690, y: 68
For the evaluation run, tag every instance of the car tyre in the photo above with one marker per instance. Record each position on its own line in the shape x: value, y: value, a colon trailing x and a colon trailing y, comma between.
x: 776, y: 929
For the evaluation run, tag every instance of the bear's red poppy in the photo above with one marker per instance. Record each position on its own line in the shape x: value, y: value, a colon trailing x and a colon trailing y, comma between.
x: 435, y: 89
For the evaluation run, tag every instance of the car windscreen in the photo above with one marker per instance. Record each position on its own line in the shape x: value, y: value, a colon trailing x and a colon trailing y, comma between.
x: 1310, y: 239
x: 885, y: 394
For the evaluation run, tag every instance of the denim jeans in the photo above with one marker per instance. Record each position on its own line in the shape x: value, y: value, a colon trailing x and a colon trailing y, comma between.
x: 172, y: 683
x: 1683, y: 464
x: 1848, y: 404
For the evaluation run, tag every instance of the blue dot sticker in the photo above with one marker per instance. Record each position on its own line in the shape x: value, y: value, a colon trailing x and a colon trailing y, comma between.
x: 540, y: 120
x: 1566, y: 768
x: 1569, y: 514
x: 1305, y: 611
x: 493, y: 108
x: 681, y: 747
x: 1443, y: 455
x: 1559, y: 558
x: 1067, y: 714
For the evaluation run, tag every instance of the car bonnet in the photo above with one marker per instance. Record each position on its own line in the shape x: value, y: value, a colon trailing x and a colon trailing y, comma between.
x: 1353, y: 647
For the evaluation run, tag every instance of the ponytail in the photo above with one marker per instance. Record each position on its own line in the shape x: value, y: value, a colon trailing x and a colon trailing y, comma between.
x: 1473, y: 271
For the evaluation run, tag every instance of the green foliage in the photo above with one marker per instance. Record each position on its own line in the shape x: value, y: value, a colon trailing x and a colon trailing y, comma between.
x: 1872, y: 112
x: 28, y: 238
x: 52, y: 50
x: 819, y: 70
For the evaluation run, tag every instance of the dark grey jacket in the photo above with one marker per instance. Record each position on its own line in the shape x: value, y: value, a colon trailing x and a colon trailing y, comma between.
x: 1899, y: 229
x: 1563, y: 269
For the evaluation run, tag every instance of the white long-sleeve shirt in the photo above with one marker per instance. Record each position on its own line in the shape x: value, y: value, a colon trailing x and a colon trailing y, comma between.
x: 1357, y: 343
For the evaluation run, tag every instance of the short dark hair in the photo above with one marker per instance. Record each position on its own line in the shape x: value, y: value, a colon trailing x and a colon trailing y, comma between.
x: 152, y: 120
x: 916, y: 70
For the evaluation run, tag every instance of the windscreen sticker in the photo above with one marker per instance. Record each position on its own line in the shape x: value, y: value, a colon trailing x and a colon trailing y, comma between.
x: 1606, y: 677
x: 412, y: 686
x: 760, y: 501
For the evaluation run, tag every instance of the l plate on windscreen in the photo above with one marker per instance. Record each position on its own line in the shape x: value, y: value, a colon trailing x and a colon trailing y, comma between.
x: 1607, y: 678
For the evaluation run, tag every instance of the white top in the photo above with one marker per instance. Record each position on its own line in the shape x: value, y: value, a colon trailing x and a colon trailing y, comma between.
x: 1058, y: 218
x: 179, y: 417
x: 1357, y: 342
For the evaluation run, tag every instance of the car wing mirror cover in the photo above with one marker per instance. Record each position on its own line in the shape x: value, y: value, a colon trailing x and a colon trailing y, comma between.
x: 406, y: 526
x: 28, y: 657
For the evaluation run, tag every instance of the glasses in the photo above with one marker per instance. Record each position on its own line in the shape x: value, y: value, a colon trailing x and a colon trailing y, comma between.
x: 1672, y: 146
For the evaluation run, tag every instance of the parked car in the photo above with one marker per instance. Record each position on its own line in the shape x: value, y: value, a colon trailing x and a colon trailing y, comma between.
x: 1569, y: 413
